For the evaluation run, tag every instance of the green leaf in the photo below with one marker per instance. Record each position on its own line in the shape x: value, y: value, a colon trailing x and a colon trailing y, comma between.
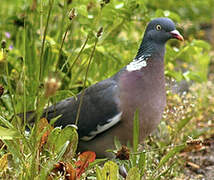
x: 58, y: 138
x: 8, y: 134
x: 170, y: 154
x: 98, y: 173
x: 53, y: 120
x: 96, y: 162
x: 189, y: 75
x: 110, y: 171
x: 47, y: 63
x: 14, y: 149
x: 62, y: 151
x: 133, y: 174
x: 136, y: 131
x: 117, y: 143
x: 158, y: 177
x: 177, y: 75
x: 6, y: 122
x: 6, y: 102
x: 142, y: 162
x: 182, y: 123
x: 53, y: 136
x: 82, y: 10
x: 202, y: 44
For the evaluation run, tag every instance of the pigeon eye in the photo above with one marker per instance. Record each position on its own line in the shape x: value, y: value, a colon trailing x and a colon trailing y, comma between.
x: 158, y: 27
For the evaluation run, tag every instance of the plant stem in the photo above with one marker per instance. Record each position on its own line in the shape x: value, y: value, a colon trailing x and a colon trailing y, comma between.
x: 44, y: 38
x: 24, y: 74
x: 62, y: 43
x: 64, y: 10
x: 78, y: 55
x: 34, y: 163
x: 84, y: 84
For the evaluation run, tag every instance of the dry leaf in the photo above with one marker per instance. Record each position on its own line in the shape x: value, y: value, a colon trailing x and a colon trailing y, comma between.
x: 83, y: 161
x: 43, y: 123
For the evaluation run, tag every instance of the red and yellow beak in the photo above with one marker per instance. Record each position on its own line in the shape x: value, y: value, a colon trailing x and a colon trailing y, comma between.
x: 175, y: 34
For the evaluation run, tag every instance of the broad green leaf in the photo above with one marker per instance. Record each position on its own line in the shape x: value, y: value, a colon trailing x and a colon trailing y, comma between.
x: 52, y: 138
x: 99, y: 173
x: 6, y: 101
x: 110, y: 171
x: 69, y: 133
x: 8, y: 134
x: 133, y: 174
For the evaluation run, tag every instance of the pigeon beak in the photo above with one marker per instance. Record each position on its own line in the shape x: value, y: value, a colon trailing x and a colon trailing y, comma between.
x: 175, y: 34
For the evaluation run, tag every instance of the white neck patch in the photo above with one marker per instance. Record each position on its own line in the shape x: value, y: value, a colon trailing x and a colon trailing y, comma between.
x: 138, y: 63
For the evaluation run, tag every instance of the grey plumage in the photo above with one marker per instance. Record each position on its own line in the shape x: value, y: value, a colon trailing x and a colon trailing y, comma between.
x: 99, y: 103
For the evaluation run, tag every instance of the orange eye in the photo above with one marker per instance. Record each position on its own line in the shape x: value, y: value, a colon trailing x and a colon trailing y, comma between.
x: 158, y: 27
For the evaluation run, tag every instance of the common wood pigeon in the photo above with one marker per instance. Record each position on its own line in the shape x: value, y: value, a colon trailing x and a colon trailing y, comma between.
x: 108, y: 106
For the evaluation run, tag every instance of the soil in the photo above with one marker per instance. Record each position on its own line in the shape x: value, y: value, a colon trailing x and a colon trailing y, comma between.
x: 200, y: 162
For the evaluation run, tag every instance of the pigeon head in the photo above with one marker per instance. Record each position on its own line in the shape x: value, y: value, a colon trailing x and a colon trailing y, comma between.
x: 160, y: 30
x: 157, y: 33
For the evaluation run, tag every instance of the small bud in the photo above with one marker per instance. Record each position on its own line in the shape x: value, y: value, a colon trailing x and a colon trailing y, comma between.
x: 1, y: 90
x: 99, y: 33
x: 51, y: 85
x: 19, y: 86
x: 3, y: 44
x: 72, y: 14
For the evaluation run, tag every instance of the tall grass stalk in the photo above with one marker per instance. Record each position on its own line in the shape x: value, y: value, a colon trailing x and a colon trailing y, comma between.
x: 77, y: 57
x: 136, y: 131
x: 51, y: 2
x: 84, y: 83
x: 65, y: 35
